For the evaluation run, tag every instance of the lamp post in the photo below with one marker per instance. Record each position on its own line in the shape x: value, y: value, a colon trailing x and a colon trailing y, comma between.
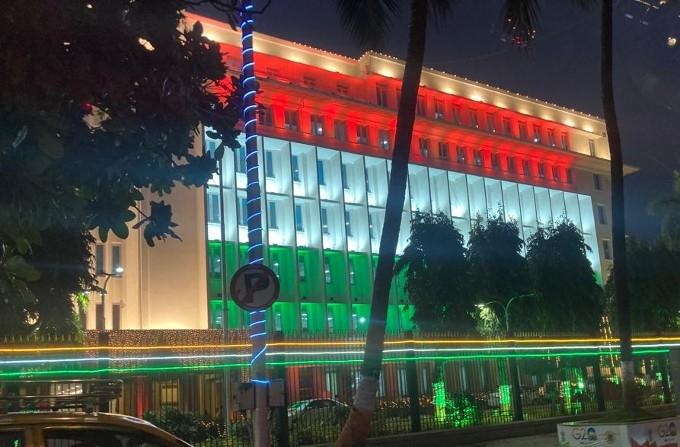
x: 506, y: 309
x: 517, y: 412
x: 102, y: 291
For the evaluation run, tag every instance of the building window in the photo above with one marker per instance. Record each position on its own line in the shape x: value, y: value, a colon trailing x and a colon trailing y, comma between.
x: 526, y: 167
x: 331, y: 326
x: 99, y: 259
x: 495, y: 162
x: 241, y: 166
x: 541, y: 170
x: 421, y: 106
x: 304, y: 321
x: 116, y: 260
x: 348, y: 224
x: 491, y: 122
x: 367, y: 180
x: 424, y: 145
x: 362, y: 134
x: 342, y: 89
x: 606, y: 249
x: 273, y: 73
x: 299, y: 220
x: 213, y: 206
x: 507, y: 126
x: 381, y: 95
x: 537, y: 133
x: 457, y: 113
x: 601, y: 215
x: 290, y: 119
x: 384, y: 140
x: 597, y: 182
x: 295, y: 167
x: 474, y: 122
x: 551, y: 137
x: 317, y: 125
x: 591, y: 147
x: 265, y: 116
x: 302, y: 273
x: 511, y: 165
x: 115, y: 317
x: 99, y: 317
x: 443, y: 150
x: 438, y: 109
x: 460, y: 154
x: 321, y: 173
x: 243, y: 215
x: 343, y: 174
x: 477, y: 157
x: 556, y: 174
x: 272, y: 215
x: 340, y: 130
x: 570, y: 178
x: 523, y: 131
x: 324, y: 220
x: 565, y: 141
x: 327, y: 272
x: 308, y: 81
x: 269, y: 164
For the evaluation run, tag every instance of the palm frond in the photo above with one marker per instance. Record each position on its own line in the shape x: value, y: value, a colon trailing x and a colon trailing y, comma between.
x: 369, y: 21
x: 520, y: 20
x: 439, y: 9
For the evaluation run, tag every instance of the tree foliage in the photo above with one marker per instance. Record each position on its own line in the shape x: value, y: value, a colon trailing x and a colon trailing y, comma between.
x: 99, y: 106
x: 436, y: 274
x: 669, y: 209
x: 654, y: 275
x: 498, y: 271
x: 567, y: 296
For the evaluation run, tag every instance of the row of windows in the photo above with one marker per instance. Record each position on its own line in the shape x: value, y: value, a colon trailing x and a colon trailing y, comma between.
x: 439, y: 109
x: 473, y: 118
x: 513, y: 165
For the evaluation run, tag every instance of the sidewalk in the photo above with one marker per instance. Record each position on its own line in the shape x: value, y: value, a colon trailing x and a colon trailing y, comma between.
x: 549, y: 440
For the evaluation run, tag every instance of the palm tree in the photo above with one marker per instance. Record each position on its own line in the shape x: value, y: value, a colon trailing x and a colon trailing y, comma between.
x: 370, y: 20
x: 522, y: 16
x: 669, y: 209
x: 620, y: 271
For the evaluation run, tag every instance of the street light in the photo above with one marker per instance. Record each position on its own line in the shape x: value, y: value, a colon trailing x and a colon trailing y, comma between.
x: 102, y: 291
x: 516, y: 393
x: 506, y: 309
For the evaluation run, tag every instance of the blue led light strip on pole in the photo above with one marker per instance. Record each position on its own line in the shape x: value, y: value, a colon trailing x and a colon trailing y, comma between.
x: 258, y: 325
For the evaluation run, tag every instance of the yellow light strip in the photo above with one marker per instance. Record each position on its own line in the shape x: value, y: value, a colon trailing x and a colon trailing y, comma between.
x: 333, y: 343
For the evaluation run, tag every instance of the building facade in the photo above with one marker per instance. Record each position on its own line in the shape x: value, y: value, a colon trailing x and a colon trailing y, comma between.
x: 326, y: 126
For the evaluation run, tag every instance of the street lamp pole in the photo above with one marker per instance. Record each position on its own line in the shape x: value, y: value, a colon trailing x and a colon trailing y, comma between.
x: 517, y: 412
x: 102, y: 291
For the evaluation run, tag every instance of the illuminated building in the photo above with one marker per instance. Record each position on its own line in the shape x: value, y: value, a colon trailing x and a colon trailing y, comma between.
x: 326, y: 126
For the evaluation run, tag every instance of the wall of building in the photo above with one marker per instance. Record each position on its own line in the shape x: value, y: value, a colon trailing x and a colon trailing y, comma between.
x: 327, y: 124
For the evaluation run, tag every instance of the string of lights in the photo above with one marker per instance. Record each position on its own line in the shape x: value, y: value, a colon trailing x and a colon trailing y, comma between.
x: 505, y: 351
x: 669, y: 341
x: 303, y: 363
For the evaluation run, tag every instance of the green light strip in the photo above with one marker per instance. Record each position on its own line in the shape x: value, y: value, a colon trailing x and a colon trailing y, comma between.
x: 157, y: 369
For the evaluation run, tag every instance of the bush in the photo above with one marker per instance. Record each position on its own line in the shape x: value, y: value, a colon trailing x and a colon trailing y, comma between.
x: 462, y: 411
x: 186, y: 426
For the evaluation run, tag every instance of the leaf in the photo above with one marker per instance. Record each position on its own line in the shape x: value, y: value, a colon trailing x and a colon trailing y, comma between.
x: 103, y: 233
x: 17, y: 266
x: 120, y: 229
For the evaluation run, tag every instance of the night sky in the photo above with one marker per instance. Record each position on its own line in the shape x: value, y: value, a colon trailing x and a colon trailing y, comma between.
x: 561, y: 66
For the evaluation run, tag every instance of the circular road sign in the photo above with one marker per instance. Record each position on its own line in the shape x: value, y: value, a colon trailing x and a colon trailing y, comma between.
x: 254, y: 287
